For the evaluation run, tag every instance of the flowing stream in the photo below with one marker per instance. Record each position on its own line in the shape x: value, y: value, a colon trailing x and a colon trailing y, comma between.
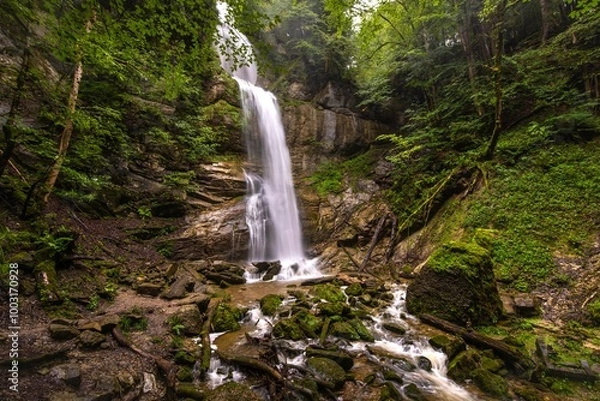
x: 272, y: 214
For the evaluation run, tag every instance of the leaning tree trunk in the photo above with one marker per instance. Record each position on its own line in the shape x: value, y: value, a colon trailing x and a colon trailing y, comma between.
x: 545, y: 10
x: 65, y: 136
x: 10, y: 128
x: 497, y: 72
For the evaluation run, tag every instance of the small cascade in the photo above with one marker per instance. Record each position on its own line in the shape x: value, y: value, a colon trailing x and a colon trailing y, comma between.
x: 272, y: 212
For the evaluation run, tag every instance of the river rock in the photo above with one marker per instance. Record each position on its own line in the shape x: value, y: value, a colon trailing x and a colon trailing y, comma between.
x: 457, y: 284
x: 152, y: 289
x: 288, y: 329
x: 233, y: 391
x: 269, y: 304
x: 491, y: 383
x: 451, y: 346
x: 338, y: 356
x: 327, y: 370
x: 226, y: 318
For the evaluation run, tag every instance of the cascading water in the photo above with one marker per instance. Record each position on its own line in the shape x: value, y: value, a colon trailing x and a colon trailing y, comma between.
x: 271, y: 210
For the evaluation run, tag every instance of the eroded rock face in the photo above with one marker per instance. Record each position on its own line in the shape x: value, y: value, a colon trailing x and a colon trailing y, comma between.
x: 457, y: 284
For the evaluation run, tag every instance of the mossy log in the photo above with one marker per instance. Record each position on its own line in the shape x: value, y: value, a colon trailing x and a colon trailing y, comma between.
x: 205, y: 336
x: 579, y: 373
x: 511, y: 355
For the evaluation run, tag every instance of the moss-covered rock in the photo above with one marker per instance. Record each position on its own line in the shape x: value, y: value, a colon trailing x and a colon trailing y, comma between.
x: 333, y: 308
x: 464, y: 364
x: 344, y: 330
x: 310, y: 324
x: 185, y: 374
x: 227, y: 318
x: 288, y: 329
x: 361, y: 330
x: 233, y: 391
x: 269, y: 304
x: 340, y: 357
x: 451, y: 346
x: 328, y: 371
x: 491, y: 383
x: 354, y: 290
x: 457, y: 284
x: 328, y: 292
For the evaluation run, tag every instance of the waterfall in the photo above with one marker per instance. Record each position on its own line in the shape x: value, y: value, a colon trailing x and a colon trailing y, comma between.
x: 272, y: 212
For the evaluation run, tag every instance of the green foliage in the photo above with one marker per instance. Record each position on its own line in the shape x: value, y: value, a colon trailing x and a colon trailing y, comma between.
x: 327, y: 179
x: 546, y: 203
x: 144, y: 212
x: 593, y: 311
x: 175, y: 324
x: 133, y: 321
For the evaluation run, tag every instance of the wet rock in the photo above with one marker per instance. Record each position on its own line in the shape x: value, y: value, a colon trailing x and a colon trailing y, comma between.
x: 190, y: 318
x: 526, y: 305
x: 424, y: 363
x: 328, y: 292
x: 288, y: 329
x: 457, y: 284
x: 62, y: 332
x: 151, y: 289
x: 354, y: 289
x: 451, y: 346
x: 413, y: 392
x: 184, y: 374
x: 353, y: 330
x: 269, y: 304
x: 327, y: 370
x: 395, y: 328
x: 227, y: 318
x: 91, y: 339
x: 334, y: 309
x: 69, y: 373
x: 339, y: 357
x: 463, y: 365
x: 310, y: 324
x: 233, y: 391
x: 491, y: 384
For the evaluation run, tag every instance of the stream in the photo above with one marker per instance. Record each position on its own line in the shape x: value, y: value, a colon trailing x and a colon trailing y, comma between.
x: 409, y: 355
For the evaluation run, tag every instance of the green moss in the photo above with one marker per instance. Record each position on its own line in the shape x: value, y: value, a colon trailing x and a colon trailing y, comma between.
x: 309, y: 323
x: 354, y: 289
x: 593, y: 311
x: 327, y: 370
x: 328, y: 292
x: 362, y: 331
x: 227, y: 318
x: 467, y: 257
x: 288, y: 329
x: 269, y: 304
x: 490, y: 383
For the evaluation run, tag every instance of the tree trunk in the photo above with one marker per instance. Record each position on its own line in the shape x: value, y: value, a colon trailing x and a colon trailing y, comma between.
x: 10, y: 127
x: 65, y: 136
x: 497, y: 72
x: 545, y: 10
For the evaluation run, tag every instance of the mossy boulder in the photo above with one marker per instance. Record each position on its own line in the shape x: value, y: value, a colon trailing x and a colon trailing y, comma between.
x: 328, y: 292
x: 354, y: 290
x: 491, y: 384
x: 327, y: 371
x: 340, y: 357
x: 353, y: 330
x: 457, y: 284
x: 310, y: 324
x: 334, y: 309
x: 461, y: 367
x: 227, y: 318
x: 451, y: 346
x: 269, y: 304
x: 288, y: 329
x: 233, y: 391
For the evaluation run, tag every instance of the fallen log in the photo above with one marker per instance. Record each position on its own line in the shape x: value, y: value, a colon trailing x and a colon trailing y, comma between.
x: 519, y: 361
x: 580, y: 373
x: 167, y: 367
x: 373, y: 243
x: 205, y: 336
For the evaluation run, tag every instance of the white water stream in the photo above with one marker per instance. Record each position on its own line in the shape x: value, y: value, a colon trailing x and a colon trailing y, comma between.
x: 272, y: 214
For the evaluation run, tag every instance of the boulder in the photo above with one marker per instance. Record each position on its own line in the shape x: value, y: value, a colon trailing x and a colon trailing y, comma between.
x: 69, y: 373
x: 327, y: 371
x: 190, y: 318
x: 269, y: 304
x: 91, y: 339
x: 226, y: 318
x: 62, y: 332
x: 457, y: 284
